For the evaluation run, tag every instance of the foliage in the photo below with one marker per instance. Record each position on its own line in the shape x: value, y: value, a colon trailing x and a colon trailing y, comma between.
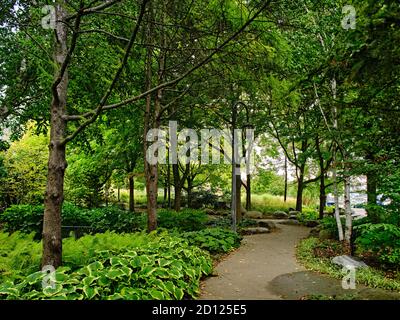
x: 184, y: 220
x: 368, y: 276
x: 214, y: 240
x: 23, y: 170
x: 308, y: 214
x: 28, y: 218
x: 161, y: 267
x: 382, y: 240
x: 267, y: 203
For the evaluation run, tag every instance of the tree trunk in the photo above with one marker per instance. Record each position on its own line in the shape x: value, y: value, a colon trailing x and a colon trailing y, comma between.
x: 248, y: 192
x: 177, y: 187
x: 151, y: 170
x: 300, y: 189
x: 189, y: 192
x: 52, y: 241
x: 322, y: 196
x: 371, y: 188
x: 238, y: 192
x: 131, y: 194
x: 169, y: 186
x: 286, y: 180
x: 347, y: 205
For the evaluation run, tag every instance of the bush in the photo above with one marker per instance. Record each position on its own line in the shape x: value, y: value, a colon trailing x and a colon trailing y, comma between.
x: 184, y: 220
x: 23, y: 218
x: 136, y: 266
x: 115, y: 219
x: 214, y: 240
x: 28, y: 219
x: 382, y: 240
x: 308, y: 214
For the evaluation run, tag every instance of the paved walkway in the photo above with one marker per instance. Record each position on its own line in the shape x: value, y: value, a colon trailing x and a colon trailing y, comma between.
x: 265, y: 268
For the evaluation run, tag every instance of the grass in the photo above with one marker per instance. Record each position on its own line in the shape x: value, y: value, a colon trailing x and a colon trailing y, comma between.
x: 267, y: 203
x: 370, y: 277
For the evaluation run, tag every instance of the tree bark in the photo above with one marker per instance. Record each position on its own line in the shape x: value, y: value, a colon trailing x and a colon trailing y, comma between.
x: 54, y: 197
x: 248, y: 192
x: 300, y: 189
x: 347, y: 205
x: 177, y: 187
x: 238, y: 199
x: 322, y: 196
x: 286, y: 180
x: 131, y: 193
x: 371, y: 188
x: 151, y: 170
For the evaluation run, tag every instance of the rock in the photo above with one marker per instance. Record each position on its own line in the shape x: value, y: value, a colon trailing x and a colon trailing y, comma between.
x: 311, y: 223
x: 290, y: 222
x: 349, y: 262
x: 256, y: 230
x: 293, y: 217
x: 267, y: 224
x: 314, y: 232
x: 325, y: 234
x: 280, y: 215
x: 253, y: 215
x: 294, y: 213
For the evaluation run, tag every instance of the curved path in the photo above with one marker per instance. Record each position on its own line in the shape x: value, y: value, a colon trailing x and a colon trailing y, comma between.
x: 248, y: 272
x: 265, y: 268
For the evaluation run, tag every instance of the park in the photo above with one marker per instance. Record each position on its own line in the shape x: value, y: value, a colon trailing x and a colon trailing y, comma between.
x: 199, y: 150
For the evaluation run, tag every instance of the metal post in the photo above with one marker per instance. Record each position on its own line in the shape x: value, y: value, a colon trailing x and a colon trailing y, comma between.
x: 233, y: 195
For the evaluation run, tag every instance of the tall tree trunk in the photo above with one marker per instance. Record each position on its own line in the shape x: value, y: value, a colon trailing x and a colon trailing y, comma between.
x: 286, y: 180
x: 335, y: 185
x: 169, y: 186
x: 151, y: 170
x: 248, y: 192
x: 131, y: 193
x: 189, y: 192
x: 52, y: 241
x: 371, y: 188
x: 322, y: 196
x: 347, y: 206
x: 238, y: 199
x: 300, y: 189
x: 177, y: 187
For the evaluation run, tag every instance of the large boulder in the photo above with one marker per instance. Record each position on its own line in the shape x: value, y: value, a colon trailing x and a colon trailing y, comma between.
x: 292, y: 217
x: 294, y: 213
x: 290, y: 222
x: 253, y: 215
x: 256, y: 230
x: 267, y: 224
x: 314, y: 232
x: 280, y: 215
x: 348, y: 262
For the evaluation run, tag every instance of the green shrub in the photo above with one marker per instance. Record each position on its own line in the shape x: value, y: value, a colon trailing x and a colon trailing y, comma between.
x: 19, y: 255
x: 115, y: 219
x: 382, y: 240
x: 308, y: 214
x: 307, y: 253
x: 24, y: 218
x: 214, y: 240
x: 184, y: 220
x: 28, y: 219
x: 152, y: 266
